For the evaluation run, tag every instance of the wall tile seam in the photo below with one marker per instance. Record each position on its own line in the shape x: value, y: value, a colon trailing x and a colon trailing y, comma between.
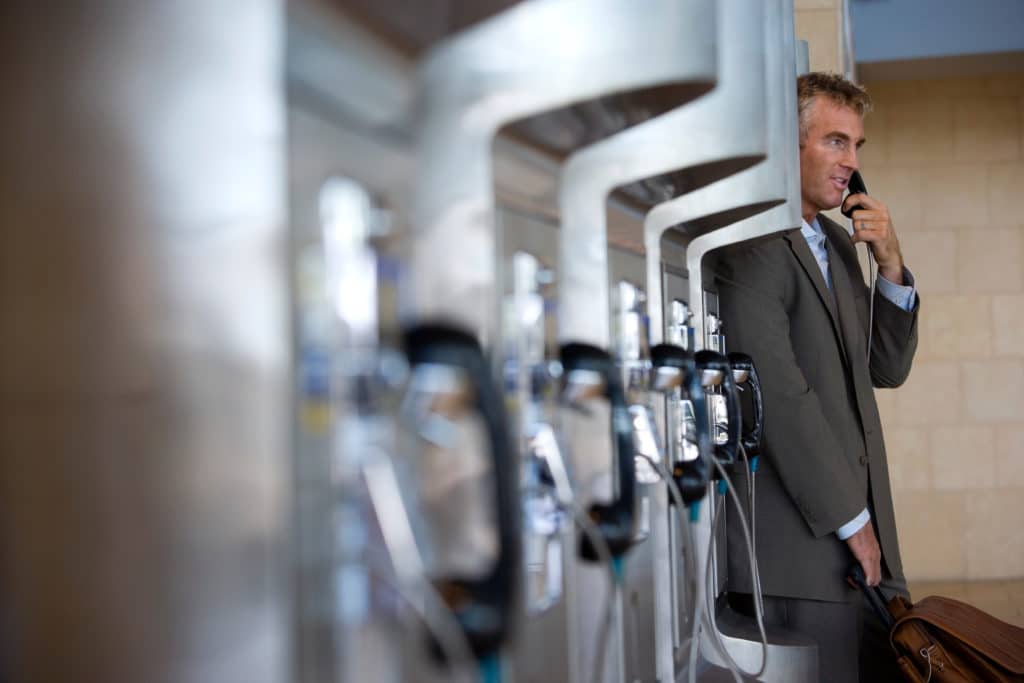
x: 932, y: 336
x: 993, y: 159
x: 1007, y: 355
x: 930, y: 429
x: 986, y: 291
x: 939, y: 437
x: 926, y: 160
x: 923, y: 423
x: 994, y: 577
x: 979, y: 489
x: 977, y: 359
x: 926, y: 103
x: 993, y: 488
x: 953, y: 357
x: 987, y: 226
x: 991, y: 291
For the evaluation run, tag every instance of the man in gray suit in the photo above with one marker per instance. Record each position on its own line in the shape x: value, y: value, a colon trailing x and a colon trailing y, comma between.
x: 798, y: 304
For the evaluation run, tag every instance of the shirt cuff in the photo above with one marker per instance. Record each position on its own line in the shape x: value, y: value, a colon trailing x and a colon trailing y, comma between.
x: 904, y: 296
x: 854, y: 525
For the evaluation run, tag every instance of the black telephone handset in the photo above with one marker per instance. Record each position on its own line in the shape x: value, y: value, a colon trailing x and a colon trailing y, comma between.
x: 483, y: 606
x: 617, y: 520
x: 856, y: 186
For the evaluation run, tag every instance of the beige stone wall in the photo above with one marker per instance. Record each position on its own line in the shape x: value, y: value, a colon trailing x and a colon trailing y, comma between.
x: 947, y: 157
x: 823, y: 24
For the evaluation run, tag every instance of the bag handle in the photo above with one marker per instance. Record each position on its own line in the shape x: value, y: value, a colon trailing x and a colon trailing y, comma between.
x: 873, y: 593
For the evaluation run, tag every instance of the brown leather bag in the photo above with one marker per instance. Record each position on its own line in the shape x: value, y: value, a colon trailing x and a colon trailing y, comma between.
x: 941, y: 640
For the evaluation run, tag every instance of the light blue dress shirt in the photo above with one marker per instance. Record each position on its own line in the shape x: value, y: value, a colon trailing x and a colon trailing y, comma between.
x: 903, y: 296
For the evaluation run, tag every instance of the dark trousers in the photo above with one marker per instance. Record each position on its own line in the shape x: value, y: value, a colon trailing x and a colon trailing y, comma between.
x: 853, y: 643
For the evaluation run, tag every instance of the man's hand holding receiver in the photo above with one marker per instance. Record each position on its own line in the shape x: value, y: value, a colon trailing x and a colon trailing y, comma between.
x: 873, y: 225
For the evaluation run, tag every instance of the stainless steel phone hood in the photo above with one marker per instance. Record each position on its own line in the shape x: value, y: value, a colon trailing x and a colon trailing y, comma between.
x: 535, y: 57
x: 783, y: 217
x: 737, y: 208
x: 713, y: 137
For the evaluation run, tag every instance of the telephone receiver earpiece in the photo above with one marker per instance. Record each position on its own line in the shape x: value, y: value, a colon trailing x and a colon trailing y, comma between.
x: 856, y: 186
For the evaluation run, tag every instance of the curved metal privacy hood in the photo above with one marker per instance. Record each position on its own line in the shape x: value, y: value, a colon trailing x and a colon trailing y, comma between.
x: 783, y: 217
x: 714, y: 137
x: 737, y: 208
x: 535, y: 57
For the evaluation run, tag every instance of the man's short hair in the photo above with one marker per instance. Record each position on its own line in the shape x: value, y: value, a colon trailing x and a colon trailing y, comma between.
x: 833, y: 86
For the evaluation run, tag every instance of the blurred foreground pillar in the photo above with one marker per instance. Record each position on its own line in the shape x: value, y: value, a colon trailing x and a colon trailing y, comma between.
x: 144, y: 357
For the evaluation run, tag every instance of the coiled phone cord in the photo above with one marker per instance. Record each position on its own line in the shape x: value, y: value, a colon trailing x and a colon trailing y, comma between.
x: 687, y: 527
x: 758, y: 604
x: 698, y: 612
x: 708, y: 617
x: 704, y: 613
x: 872, y: 276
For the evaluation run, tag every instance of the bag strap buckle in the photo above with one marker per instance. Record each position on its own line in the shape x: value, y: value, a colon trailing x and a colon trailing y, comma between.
x: 926, y: 652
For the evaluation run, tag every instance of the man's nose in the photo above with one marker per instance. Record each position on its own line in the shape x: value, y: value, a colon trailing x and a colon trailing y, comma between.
x: 850, y: 160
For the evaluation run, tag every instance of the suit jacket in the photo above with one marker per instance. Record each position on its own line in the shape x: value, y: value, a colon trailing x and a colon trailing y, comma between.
x: 823, y: 458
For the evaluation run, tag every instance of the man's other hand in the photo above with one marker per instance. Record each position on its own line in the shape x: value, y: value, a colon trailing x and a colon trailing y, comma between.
x: 864, y: 547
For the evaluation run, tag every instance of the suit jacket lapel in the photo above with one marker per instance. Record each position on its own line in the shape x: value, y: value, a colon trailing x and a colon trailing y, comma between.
x: 848, y: 321
x: 803, y: 254
x: 854, y: 335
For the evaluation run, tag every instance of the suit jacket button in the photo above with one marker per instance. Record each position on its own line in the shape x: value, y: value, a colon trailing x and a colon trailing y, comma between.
x: 864, y: 460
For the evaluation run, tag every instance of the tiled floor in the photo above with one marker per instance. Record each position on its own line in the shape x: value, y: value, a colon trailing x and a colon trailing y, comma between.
x: 1002, y: 599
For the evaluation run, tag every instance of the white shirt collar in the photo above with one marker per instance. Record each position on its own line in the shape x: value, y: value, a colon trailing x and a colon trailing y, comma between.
x: 811, y: 230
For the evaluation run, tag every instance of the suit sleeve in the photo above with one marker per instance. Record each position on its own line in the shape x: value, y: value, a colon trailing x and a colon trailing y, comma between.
x: 894, y: 337
x: 893, y: 343
x: 802, y: 447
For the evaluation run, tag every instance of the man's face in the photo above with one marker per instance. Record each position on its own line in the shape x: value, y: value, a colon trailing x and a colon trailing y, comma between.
x: 828, y: 154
